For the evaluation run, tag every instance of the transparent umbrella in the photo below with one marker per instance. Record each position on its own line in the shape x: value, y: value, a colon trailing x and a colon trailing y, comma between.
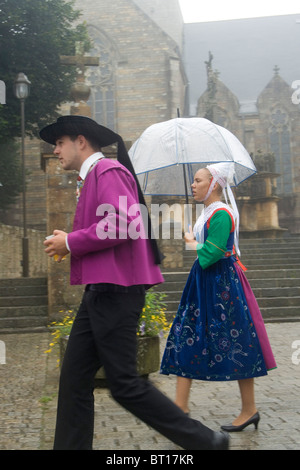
x: 167, y: 155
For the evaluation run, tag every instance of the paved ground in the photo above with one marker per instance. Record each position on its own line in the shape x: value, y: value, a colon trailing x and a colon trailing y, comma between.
x: 28, y: 395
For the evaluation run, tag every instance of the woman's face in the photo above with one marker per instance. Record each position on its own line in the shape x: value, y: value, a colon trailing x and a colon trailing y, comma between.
x: 201, y: 184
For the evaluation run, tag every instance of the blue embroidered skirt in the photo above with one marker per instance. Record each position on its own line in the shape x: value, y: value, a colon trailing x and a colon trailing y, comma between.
x: 213, y: 336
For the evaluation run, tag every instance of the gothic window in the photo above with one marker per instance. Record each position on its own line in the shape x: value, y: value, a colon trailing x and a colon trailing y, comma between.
x: 221, y: 118
x: 101, y: 80
x: 280, y: 146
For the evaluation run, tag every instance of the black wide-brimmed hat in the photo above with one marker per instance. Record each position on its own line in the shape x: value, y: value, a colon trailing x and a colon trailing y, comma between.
x: 81, y: 125
x: 78, y: 125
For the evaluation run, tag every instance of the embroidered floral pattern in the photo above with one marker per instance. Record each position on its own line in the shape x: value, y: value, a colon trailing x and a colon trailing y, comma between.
x: 213, y: 336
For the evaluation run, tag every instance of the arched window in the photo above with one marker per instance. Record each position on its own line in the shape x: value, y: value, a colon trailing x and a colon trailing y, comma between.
x: 280, y: 146
x: 101, y: 80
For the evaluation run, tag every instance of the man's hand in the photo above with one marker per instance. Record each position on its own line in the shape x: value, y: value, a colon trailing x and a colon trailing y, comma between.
x: 56, y: 245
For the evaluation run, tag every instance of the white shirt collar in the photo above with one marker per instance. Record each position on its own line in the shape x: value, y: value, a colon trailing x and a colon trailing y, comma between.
x: 88, y: 162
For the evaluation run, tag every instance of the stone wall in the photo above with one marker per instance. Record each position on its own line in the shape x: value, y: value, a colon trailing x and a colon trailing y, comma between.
x: 11, y: 252
x: 149, y: 80
x: 35, y: 192
x: 254, y: 123
x: 160, y: 11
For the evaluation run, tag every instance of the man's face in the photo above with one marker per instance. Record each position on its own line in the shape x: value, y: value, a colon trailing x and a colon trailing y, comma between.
x: 68, y: 154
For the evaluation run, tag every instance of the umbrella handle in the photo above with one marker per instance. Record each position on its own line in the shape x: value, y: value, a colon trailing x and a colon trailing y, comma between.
x: 185, y: 181
x: 186, y: 193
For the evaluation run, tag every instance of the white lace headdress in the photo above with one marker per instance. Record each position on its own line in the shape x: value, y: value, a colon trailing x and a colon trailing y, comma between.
x: 222, y: 173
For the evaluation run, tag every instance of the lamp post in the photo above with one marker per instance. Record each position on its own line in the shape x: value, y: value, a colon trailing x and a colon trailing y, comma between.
x: 21, y: 90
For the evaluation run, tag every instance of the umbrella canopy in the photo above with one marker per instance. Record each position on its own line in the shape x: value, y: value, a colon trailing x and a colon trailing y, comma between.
x: 158, y: 155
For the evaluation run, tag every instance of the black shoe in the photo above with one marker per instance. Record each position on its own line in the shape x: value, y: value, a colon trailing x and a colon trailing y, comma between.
x: 220, y: 441
x: 253, y: 420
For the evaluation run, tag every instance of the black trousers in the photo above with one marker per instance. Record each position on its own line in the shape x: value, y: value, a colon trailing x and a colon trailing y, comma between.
x: 104, y: 334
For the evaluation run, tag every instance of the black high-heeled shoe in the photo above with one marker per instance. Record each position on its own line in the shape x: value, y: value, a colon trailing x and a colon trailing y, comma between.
x: 253, y: 420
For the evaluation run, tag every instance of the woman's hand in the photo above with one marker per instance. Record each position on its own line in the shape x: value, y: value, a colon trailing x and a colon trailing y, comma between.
x: 191, y: 243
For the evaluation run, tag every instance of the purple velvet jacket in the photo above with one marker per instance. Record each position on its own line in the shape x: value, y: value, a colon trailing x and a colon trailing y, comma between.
x: 102, y: 244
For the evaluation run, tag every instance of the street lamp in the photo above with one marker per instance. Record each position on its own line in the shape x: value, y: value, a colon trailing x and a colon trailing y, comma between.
x: 21, y: 90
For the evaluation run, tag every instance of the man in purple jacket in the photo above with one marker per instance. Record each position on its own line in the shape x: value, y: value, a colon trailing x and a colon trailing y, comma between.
x: 113, y: 254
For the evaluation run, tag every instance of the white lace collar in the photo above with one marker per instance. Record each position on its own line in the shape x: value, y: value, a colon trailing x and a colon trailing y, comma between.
x: 205, y: 215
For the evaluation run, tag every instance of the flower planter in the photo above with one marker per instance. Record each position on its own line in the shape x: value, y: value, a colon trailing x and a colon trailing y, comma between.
x: 148, y: 357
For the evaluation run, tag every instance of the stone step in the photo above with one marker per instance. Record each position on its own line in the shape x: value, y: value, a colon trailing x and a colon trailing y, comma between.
x: 23, y: 291
x: 270, y: 247
x: 278, y: 297
x: 172, y: 301
x: 271, y: 259
x: 243, y: 243
x: 23, y: 311
x: 20, y: 301
x: 171, y: 275
x: 274, y: 283
x: 255, y: 283
x: 23, y: 324
x: 270, y: 315
x: 250, y: 266
x: 278, y: 302
x: 23, y: 305
x: 280, y: 314
x: 273, y: 292
x: 262, y: 295
x: 273, y: 273
x: 175, y: 276
x: 292, y: 245
x: 293, y: 273
x: 250, y: 255
x: 23, y: 281
x: 293, y: 239
x: 268, y: 265
x: 292, y: 259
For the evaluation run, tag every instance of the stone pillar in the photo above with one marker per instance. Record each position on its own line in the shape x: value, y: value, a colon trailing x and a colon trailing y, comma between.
x: 60, y: 206
x: 61, y: 196
x: 258, y: 207
x: 257, y: 201
x: 80, y: 91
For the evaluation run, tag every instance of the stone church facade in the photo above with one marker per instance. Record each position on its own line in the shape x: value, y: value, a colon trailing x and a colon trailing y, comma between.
x: 270, y: 130
x: 140, y: 80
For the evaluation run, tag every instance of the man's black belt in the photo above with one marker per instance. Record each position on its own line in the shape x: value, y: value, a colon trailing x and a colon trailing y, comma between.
x: 103, y: 287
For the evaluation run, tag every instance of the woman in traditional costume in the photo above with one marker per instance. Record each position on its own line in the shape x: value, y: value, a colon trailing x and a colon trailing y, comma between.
x: 218, y: 333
